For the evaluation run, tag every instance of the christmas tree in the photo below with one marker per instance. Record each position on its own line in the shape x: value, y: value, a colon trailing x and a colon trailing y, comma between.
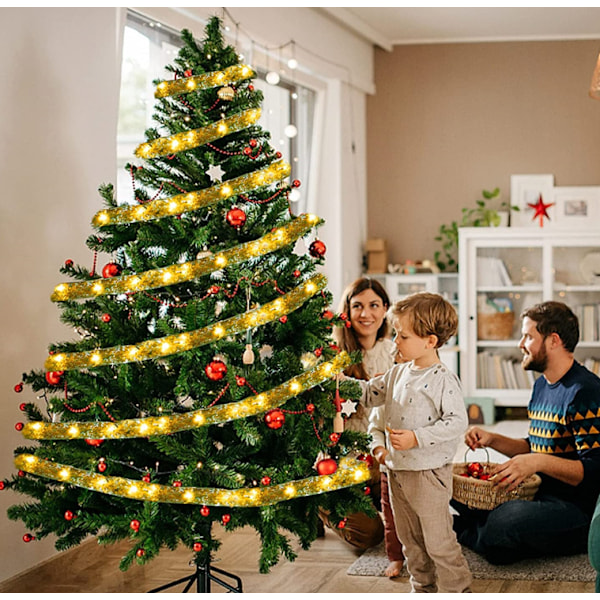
x: 200, y: 392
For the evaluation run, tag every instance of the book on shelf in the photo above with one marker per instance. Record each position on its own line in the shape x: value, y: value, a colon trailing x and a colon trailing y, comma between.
x: 495, y: 371
x: 492, y: 272
x: 589, y: 322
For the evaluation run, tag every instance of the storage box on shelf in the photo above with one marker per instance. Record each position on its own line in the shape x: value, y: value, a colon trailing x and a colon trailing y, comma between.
x: 399, y: 286
x: 502, y: 272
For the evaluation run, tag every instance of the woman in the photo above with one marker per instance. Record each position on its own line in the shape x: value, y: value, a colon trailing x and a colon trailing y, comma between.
x: 366, y: 303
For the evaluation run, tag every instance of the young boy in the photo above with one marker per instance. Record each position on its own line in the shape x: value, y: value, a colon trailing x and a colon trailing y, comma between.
x: 425, y: 418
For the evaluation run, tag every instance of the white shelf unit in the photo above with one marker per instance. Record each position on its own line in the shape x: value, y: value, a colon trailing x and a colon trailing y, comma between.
x: 399, y: 286
x: 523, y: 266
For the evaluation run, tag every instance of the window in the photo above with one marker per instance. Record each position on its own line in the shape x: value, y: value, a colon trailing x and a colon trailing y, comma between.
x: 147, y: 47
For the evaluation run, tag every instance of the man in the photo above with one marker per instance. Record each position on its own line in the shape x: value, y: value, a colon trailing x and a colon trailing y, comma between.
x: 563, y: 447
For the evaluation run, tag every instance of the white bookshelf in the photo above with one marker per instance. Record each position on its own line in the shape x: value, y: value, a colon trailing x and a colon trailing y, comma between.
x: 521, y: 266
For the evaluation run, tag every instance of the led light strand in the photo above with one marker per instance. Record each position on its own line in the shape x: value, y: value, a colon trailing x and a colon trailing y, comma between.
x: 205, y: 81
x: 182, y: 342
x: 168, y: 424
x: 192, y: 201
x: 186, y: 140
x: 350, y: 472
x: 183, y: 272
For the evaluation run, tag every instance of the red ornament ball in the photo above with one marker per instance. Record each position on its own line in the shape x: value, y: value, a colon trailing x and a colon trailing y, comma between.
x: 68, y: 262
x: 177, y: 484
x: 342, y: 524
x: 275, y: 419
x: 197, y: 547
x: 317, y: 249
x: 106, y: 318
x: 69, y: 515
x: 146, y: 478
x: 296, y: 183
x: 318, y: 352
x: 296, y: 273
x: 140, y: 552
x: 310, y: 408
x: 28, y: 538
x: 253, y: 143
x: 215, y: 370
x: 111, y: 270
x: 94, y: 443
x: 21, y: 473
x: 266, y: 480
x: 225, y: 519
x: 2, y: 485
x: 102, y: 466
x: 328, y: 314
x: 22, y: 406
x: 135, y: 525
x: 19, y: 388
x: 348, y: 324
x: 367, y: 491
x: 236, y: 217
x: 334, y: 437
x: 283, y: 319
x: 214, y: 289
x: 205, y: 511
x: 327, y: 466
x: 188, y: 72
x: 19, y: 426
x: 53, y: 377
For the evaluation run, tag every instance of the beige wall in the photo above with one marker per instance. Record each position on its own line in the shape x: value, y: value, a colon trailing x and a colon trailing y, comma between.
x: 450, y: 120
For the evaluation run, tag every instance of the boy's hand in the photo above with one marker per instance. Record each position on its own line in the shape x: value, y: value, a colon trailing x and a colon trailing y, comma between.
x: 402, y: 439
x: 478, y: 438
x: 380, y: 453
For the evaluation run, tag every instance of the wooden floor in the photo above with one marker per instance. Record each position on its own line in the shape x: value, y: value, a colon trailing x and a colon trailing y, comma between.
x: 92, y: 568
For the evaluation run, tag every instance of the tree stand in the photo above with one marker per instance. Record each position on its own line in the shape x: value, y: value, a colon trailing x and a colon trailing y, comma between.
x: 202, y: 577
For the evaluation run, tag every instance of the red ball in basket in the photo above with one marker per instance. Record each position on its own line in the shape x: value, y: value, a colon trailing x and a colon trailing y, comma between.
x: 471, y: 485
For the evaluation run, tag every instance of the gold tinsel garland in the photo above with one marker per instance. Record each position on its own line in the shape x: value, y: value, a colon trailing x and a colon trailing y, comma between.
x: 191, y: 201
x: 186, y: 140
x: 350, y: 472
x: 204, y: 81
x: 182, y: 272
x: 168, y: 424
x: 181, y: 342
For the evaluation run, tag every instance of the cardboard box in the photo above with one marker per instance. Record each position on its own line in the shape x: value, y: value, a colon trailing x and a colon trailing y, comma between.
x: 377, y: 255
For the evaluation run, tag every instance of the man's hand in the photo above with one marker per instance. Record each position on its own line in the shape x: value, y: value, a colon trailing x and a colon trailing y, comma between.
x: 380, y: 454
x: 478, y: 438
x: 402, y: 439
x: 514, y: 471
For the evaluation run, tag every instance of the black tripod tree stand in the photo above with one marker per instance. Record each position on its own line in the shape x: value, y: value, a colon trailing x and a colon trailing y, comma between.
x: 203, y: 577
x: 204, y: 574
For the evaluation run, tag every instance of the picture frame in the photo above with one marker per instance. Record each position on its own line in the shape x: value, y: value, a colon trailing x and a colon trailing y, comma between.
x: 577, y: 207
x: 526, y: 190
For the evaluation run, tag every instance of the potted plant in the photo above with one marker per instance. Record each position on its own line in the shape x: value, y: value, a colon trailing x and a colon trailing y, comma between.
x: 482, y: 215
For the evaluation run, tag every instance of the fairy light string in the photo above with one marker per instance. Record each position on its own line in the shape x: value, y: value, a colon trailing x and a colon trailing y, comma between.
x: 213, y: 415
x: 350, y: 472
x: 183, y: 272
x: 182, y: 342
x: 186, y: 140
x: 192, y: 201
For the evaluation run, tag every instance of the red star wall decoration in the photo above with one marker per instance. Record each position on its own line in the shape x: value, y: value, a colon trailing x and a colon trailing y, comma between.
x: 541, y: 210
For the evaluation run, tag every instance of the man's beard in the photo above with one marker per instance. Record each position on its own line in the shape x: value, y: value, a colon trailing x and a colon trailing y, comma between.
x: 536, y: 362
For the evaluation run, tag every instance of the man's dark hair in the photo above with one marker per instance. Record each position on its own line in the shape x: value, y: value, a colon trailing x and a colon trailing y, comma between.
x: 555, y: 317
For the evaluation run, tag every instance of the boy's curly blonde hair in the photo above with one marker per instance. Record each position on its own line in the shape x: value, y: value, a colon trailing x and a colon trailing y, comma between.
x: 429, y: 314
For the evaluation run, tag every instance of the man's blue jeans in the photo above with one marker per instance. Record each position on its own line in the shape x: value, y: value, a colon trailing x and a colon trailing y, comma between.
x: 521, y: 529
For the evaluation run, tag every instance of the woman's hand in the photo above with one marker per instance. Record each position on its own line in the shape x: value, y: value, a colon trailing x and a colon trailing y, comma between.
x: 380, y: 454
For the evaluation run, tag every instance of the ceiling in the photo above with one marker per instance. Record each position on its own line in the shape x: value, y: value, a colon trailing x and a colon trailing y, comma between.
x: 387, y: 27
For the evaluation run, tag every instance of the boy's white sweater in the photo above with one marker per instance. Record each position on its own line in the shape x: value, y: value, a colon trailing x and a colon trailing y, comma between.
x: 427, y: 401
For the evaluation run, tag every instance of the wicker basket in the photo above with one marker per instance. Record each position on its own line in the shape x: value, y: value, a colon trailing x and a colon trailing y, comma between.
x: 495, y: 326
x: 483, y: 494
